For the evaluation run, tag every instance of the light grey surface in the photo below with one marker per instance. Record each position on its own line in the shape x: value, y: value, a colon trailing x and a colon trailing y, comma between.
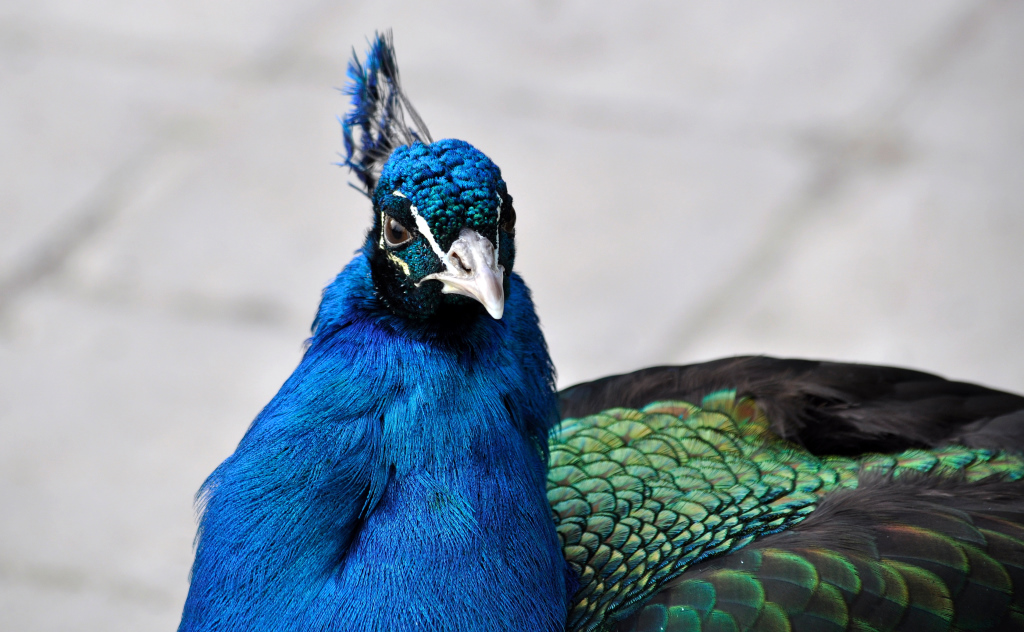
x: 838, y: 180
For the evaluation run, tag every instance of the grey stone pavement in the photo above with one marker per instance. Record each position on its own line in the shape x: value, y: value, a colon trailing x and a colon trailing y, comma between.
x: 694, y: 179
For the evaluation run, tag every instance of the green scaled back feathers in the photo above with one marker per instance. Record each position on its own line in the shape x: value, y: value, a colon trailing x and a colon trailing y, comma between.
x: 640, y: 496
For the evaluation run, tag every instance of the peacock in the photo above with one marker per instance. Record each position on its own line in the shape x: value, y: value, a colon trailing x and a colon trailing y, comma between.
x: 419, y: 470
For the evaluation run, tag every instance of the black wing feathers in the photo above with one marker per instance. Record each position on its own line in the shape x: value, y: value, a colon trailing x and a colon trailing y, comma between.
x: 829, y: 408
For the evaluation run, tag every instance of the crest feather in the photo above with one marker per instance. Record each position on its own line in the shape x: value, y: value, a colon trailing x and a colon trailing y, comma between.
x: 377, y: 122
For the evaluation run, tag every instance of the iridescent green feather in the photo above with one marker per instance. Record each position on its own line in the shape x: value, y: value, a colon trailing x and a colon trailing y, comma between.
x: 639, y: 496
x: 759, y: 590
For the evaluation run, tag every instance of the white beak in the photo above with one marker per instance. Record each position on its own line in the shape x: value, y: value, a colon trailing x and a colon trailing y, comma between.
x: 472, y: 270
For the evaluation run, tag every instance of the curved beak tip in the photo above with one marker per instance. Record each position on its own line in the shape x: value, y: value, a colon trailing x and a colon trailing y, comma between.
x: 496, y: 309
x: 478, y: 276
x: 485, y: 287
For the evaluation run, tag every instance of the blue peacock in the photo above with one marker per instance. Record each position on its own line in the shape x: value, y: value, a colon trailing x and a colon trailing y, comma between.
x: 419, y: 471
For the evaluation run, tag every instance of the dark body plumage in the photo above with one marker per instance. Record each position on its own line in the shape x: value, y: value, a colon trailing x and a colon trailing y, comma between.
x: 927, y: 533
x: 418, y: 471
x: 827, y: 407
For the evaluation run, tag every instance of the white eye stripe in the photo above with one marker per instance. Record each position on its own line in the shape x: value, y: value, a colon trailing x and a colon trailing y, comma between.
x: 398, y: 260
x: 424, y: 228
x: 497, y: 233
x: 401, y: 263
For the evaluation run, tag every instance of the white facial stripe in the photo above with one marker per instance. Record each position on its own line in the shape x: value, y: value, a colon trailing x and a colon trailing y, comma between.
x: 402, y: 264
x: 424, y: 228
x: 398, y: 260
x: 497, y: 233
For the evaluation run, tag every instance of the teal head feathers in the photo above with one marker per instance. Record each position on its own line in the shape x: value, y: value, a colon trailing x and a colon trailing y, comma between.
x: 442, y: 239
x: 443, y: 231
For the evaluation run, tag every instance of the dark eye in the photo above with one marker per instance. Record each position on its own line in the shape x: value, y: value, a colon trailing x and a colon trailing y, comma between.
x: 508, y: 218
x: 394, y: 233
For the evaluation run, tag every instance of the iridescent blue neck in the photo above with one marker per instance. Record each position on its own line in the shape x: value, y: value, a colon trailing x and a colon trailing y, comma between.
x: 396, y: 482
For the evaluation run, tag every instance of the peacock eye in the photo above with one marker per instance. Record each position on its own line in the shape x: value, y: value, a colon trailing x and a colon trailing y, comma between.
x: 394, y: 233
x: 508, y: 220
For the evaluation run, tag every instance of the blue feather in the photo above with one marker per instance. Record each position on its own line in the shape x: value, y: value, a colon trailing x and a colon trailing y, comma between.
x: 378, y: 113
x: 395, y: 481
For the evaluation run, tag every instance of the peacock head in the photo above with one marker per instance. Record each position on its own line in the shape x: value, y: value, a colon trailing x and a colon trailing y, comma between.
x: 443, y: 235
x: 444, y: 231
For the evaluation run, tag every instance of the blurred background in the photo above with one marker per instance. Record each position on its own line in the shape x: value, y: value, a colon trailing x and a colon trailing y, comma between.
x: 836, y: 180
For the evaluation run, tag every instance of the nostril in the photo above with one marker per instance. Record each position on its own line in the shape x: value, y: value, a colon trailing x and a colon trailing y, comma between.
x: 459, y: 262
